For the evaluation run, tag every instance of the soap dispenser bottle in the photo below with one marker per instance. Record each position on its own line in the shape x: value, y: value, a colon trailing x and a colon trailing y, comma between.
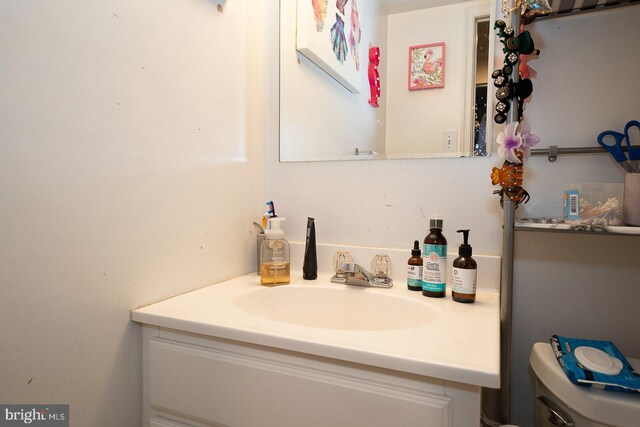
x: 434, y: 269
x: 274, y: 256
x: 465, y: 273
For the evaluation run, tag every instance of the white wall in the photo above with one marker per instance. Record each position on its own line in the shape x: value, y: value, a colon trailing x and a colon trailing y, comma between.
x: 132, y: 141
x: 105, y: 207
x: 597, y: 89
x: 579, y: 286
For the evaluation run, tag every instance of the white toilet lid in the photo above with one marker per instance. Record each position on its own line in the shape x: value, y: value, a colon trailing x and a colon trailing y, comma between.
x: 597, y: 360
x: 611, y: 408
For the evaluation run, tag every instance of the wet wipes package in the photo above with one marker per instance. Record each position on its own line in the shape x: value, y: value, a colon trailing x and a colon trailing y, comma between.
x: 593, y: 204
x: 597, y: 364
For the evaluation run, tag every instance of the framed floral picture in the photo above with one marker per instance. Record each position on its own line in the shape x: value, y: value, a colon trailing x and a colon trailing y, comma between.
x: 426, y: 66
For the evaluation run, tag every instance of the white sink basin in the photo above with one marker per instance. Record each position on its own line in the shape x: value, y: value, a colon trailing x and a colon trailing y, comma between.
x: 388, y: 328
x: 331, y: 307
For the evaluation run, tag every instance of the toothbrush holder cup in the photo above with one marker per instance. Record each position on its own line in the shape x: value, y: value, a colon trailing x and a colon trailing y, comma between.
x: 631, y: 206
x: 259, y: 240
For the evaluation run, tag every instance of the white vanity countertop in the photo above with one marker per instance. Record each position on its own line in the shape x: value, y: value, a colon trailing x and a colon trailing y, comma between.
x: 460, y: 343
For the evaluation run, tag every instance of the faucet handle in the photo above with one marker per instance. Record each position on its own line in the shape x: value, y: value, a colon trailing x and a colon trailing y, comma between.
x: 348, y: 267
x: 381, y: 266
x: 340, y: 258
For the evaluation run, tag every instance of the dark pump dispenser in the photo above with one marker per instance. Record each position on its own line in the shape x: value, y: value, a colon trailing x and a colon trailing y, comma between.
x: 465, y: 273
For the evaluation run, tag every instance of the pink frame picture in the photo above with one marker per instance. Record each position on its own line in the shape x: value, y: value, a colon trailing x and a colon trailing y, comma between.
x: 426, y: 66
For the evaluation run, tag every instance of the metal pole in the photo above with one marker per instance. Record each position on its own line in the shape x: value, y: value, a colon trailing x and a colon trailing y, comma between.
x: 506, y: 275
x: 506, y: 287
x: 572, y: 150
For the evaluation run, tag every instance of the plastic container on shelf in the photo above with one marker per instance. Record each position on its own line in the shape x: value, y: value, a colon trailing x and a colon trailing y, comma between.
x: 593, y: 204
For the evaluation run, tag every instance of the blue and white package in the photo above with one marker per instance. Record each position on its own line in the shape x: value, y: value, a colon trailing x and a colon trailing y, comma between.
x: 627, y: 380
x: 571, y: 205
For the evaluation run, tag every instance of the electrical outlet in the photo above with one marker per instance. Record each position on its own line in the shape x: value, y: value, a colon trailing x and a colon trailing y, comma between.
x: 449, y: 141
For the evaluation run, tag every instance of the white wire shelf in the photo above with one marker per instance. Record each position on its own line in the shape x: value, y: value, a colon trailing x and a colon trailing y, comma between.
x: 612, y: 230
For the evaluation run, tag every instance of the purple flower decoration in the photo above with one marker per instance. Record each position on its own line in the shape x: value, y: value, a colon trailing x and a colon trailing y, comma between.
x: 510, y: 142
x: 528, y: 140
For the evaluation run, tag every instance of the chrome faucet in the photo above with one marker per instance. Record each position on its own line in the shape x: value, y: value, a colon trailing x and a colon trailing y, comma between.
x: 350, y: 273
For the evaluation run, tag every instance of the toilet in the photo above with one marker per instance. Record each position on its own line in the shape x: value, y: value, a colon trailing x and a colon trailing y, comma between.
x: 562, y: 403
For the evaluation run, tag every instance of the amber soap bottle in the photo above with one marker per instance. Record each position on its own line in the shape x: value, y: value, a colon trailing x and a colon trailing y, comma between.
x: 414, y: 268
x: 434, y: 256
x: 465, y: 273
x: 275, y: 267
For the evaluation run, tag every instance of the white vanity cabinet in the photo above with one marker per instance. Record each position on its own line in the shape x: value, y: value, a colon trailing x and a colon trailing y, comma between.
x: 197, y: 380
x: 316, y: 354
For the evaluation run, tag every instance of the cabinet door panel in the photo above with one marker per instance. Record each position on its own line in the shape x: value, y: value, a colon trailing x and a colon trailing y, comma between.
x: 242, y: 390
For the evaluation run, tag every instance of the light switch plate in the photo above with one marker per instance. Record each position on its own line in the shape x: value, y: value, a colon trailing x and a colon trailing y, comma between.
x: 449, y: 141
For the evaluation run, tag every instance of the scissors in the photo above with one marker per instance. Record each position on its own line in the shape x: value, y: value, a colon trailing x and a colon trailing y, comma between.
x: 615, y: 148
x: 634, y: 152
x: 632, y: 162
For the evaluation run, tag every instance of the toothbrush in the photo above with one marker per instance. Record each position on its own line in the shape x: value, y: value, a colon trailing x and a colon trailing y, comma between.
x: 272, y: 209
x: 271, y: 213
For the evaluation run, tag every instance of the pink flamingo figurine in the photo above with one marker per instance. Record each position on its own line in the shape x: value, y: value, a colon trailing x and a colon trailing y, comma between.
x: 374, y: 75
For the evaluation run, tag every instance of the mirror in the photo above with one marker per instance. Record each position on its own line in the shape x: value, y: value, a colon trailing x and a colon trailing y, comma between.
x: 322, y: 118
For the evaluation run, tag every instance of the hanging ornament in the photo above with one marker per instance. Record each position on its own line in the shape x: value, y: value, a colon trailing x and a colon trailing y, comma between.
x: 515, y: 141
x: 514, y: 146
x: 529, y: 9
x: 509, y: 6
x: 516, y: 49
x: 539, y: 7
x: 510, y: 179
x: 525, y: 70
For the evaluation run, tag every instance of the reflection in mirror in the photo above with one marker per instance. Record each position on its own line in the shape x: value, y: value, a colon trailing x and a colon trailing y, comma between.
x: 320, y: 119
x: 481, y: 91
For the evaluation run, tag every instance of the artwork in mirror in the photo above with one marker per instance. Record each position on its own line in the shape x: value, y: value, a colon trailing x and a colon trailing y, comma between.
x: 426, y: 66
x: 328, y: 33
x: 320, y: 119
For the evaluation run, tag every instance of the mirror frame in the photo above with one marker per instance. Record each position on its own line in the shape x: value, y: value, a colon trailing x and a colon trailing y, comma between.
x: 472, y: 17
